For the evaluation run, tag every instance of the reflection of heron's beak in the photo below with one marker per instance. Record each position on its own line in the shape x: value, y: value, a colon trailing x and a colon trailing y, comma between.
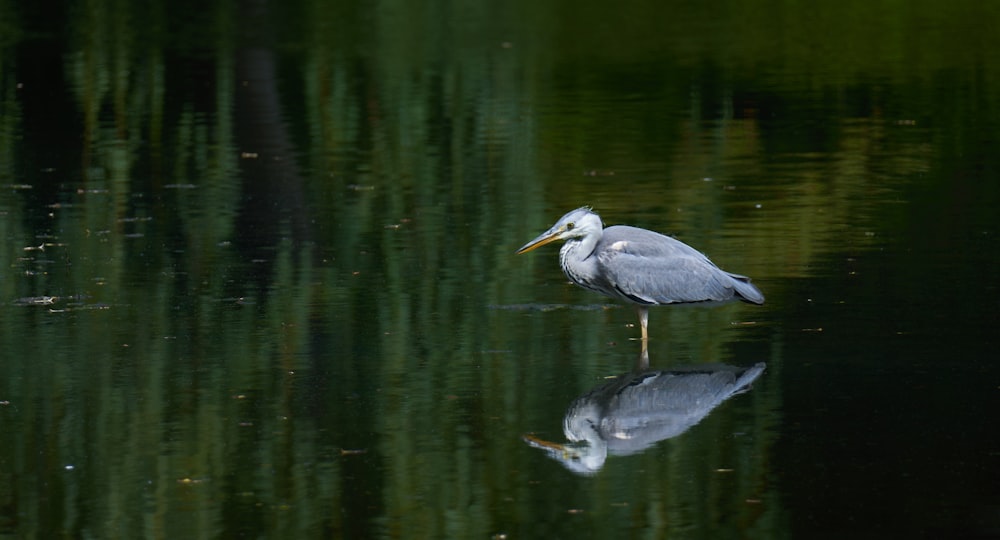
x: 545, y: 238
x: 582, y: 459
x: 554, y: 448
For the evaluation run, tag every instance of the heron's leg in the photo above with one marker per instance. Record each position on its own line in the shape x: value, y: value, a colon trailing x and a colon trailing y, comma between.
x: 643, y: 319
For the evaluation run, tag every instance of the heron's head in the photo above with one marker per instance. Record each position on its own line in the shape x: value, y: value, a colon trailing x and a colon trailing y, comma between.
x: 576, y: 224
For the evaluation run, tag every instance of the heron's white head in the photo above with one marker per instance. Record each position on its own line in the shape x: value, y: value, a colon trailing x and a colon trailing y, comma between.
x: 576, y: 224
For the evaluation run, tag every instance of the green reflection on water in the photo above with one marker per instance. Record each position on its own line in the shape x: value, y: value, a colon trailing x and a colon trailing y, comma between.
x: 257, y: 263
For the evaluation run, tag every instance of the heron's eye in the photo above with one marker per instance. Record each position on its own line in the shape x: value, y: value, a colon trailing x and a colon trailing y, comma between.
x: 569, y: 226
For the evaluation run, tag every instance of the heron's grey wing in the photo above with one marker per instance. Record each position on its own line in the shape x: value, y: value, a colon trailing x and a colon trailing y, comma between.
x: 651, y: 268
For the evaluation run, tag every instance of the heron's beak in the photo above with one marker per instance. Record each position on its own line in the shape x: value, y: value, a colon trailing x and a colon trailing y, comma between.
x: 545, y: 238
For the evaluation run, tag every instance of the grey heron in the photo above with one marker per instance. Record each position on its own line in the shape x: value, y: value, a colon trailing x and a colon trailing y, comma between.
x: 641, y: 267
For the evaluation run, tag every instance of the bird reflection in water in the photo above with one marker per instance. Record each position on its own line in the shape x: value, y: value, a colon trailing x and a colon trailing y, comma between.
x: 638, y: 409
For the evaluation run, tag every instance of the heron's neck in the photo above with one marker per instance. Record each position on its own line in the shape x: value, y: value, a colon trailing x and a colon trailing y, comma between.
x: 580, y: 248
x: 574, y: 257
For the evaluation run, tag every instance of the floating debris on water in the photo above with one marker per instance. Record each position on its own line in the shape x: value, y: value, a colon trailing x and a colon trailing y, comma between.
x: 36, y: 301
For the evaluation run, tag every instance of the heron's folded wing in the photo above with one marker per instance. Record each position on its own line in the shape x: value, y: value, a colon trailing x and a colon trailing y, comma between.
x: 660, y: 270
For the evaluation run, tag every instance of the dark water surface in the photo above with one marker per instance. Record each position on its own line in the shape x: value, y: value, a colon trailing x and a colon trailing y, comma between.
x: 258, y: 275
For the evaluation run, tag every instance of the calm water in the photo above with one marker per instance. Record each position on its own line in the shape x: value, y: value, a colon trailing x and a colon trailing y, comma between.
x: 258, y: 275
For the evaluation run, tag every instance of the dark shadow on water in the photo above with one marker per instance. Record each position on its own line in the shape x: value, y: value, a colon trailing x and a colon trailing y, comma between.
x: 638, y: 409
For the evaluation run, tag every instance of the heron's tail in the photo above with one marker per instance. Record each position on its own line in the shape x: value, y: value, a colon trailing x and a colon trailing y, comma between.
x: 745, y: 290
